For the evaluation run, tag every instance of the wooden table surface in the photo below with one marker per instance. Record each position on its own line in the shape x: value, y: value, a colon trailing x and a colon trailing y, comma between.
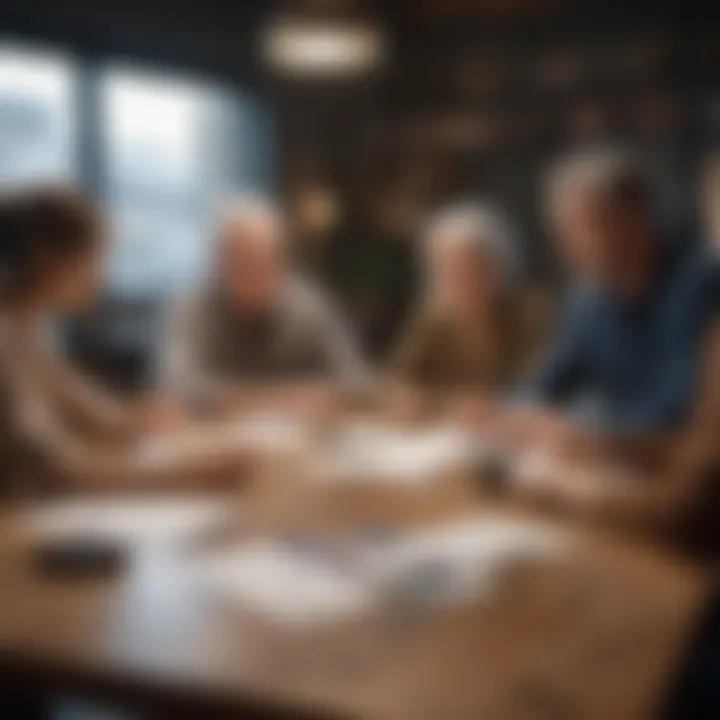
x: 597, y: 634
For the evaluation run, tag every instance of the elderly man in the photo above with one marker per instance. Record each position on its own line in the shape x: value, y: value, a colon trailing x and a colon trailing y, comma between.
x: 255, y: 321
x: 623, y: 366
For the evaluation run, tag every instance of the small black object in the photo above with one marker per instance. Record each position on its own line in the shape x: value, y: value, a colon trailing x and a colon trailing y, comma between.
x: 493, y: 472
x: 79, y: 558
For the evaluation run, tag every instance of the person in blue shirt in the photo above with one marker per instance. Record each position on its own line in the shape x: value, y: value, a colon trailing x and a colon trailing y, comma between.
x: 621, y: 371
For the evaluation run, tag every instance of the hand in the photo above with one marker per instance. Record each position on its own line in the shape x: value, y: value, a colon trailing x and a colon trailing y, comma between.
x: 475, y: 412
x: 523, y: 428
x: 316, y: 402
x: 407, y: 404
x: 576, y: 443
x: 554, y: 482
x: 552, y: 434
x: 160, y: 414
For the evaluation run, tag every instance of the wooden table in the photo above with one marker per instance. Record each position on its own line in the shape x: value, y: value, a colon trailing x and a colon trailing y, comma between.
x: 599, y: 634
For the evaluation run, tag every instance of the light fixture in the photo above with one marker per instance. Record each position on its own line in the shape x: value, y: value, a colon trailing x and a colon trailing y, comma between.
x: 323, y: 48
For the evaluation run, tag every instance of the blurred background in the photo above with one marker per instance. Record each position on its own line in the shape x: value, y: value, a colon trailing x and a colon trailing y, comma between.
x: 360, y: 117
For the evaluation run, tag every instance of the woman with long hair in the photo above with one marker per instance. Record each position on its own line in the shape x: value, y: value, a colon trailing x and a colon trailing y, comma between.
x: 57, y: 429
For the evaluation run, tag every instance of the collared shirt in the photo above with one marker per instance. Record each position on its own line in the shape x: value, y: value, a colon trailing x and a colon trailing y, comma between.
x: 631, y: 366
x: 207, y: 345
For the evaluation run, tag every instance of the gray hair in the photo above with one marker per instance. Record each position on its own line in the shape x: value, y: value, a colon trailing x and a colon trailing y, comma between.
x: 611, y: 174
x: 478, y: 226
x: 712, y: 170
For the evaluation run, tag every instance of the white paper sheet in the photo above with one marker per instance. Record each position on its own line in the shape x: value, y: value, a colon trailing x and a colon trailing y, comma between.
x: 129, y: 521
x: 256, y: 432
x: 269, y: 431
x: 383, y: 453
x: 463, y: 560
x: 453, y: 563
x: 284, y: 586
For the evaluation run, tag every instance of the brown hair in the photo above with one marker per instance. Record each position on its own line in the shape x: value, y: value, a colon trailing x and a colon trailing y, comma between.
x: 50, y: 223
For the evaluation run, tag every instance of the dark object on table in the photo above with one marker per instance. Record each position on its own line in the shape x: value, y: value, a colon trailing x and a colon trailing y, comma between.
x: 79, y: 558
x: 492, y: 472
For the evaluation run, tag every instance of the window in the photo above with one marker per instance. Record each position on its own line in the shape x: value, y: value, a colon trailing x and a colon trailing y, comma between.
x: 37, y: 123
x: 163, y: 152
x: 168, y: 160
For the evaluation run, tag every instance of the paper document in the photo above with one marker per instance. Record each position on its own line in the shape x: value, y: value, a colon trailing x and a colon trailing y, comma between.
x: 285, y: 586
x: 383, y: 453
x: 462, y: 560
x: 257, y: 432
x: 129, y: 521
x: 449, y: 564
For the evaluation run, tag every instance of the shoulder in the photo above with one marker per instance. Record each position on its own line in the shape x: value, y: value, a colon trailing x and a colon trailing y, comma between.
x: 697, y: 277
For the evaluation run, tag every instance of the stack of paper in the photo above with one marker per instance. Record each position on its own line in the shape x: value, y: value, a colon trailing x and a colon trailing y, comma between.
x: 383, y: 453
x: 454, y: 563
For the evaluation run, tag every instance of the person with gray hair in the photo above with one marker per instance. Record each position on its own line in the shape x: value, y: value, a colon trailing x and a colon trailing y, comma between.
x: 254, y: 321
x: 623, y: 365
x: 469, y: 331
x: 711, y: 203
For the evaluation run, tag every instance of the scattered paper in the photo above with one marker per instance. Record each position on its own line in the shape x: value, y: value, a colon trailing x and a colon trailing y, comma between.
x: 453, y: 563
x: 257, y: 432
x: 129, y: 521
x: 269, y: 431
x: 382, y: 453
x: 285, y: 586
x: 463, y: 560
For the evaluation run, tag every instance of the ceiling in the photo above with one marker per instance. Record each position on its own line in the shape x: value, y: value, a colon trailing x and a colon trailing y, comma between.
x: 433, y: 10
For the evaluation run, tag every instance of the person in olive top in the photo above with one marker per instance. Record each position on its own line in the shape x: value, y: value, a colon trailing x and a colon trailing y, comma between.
x: 58, y: 430
x: 469, y: 332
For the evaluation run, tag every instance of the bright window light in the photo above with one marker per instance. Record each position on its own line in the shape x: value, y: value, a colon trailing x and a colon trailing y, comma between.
x: 168, y: 162
x: 37, y: 119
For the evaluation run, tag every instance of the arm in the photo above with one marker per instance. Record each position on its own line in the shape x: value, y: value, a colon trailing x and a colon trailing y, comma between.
x: 93, y: 410
x: 345, y: 362
x: 562, y: 370
x: 646, y: 435
x: 409, y: 360
x: 181, y: 370
x: 69, y: 461
x: 670, y: 502
x: 649, y: 429
x: 407, y: 388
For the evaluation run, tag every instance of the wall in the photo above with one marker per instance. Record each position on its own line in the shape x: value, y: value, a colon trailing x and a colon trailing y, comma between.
x: 480, y: 110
